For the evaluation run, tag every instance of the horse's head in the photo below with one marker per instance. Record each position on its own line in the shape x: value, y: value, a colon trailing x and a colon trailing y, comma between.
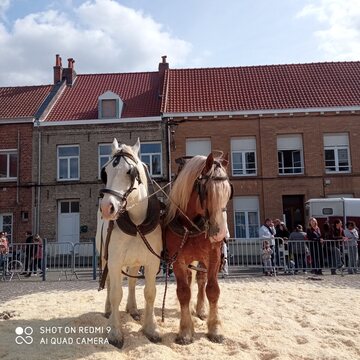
x: 214, y: 191
x: 202, y: 188
x: 122, y: 175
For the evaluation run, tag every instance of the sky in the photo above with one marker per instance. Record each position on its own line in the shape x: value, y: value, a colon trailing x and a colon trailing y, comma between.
x: 105, y: 36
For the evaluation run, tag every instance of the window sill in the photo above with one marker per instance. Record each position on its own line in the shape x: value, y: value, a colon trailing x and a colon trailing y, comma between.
x: 67, y: 180
x: 8, y: 179
x: 337, y: 172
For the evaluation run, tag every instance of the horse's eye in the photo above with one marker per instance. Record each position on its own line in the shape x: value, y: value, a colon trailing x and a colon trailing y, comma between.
x: 116, y: 161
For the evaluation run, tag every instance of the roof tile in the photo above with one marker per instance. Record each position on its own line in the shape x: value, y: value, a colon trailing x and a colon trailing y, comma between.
x: 22, y: 101
x: 270, y: 87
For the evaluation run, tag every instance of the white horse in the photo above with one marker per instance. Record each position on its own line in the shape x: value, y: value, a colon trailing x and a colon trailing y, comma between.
x: 126, y: 196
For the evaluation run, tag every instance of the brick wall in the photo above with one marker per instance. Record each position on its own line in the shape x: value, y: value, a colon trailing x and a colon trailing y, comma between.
x: 268, y: 185
x: 86, y: 190
x: 16, y: 196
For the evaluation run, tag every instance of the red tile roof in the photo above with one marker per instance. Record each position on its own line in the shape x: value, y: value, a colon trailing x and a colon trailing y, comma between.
x: 22, y: 101
x: 296, y: 86
x: 138, y: 91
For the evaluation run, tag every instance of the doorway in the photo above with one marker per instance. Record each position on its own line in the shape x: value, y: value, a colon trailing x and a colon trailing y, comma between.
x: 293, y: 209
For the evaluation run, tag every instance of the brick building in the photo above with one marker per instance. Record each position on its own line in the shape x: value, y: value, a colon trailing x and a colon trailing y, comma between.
x: 291, y: 131
x: 19, y: 109
x: 74, y: 141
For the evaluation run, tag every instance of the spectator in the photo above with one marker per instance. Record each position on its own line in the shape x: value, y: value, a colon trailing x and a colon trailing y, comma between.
x: 267, y: 232
x: 29, y: 252
x: 224, y: 258
x: 4, y: 249
x: 266, y: 258
x: 313, y: 234
x: 38, y: 254
x: 337, y: 236
x: 298, y: 248
x: 351, y: 239
x: 281, y: 229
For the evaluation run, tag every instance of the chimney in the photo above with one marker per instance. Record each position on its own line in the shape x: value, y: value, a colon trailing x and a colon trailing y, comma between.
x: 69, y: 73
x: 163, y: 65
x: 58, y: 70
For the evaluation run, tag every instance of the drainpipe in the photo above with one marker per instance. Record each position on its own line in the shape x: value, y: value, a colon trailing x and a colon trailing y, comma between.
x: 18, y: 168
x: 38, y: 191
x: 168, y: 149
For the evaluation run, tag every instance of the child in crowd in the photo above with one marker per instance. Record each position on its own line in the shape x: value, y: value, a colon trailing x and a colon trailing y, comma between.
x: 266, y: 258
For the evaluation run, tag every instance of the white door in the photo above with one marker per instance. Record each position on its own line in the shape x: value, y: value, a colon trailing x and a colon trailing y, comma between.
x: 68, y: 222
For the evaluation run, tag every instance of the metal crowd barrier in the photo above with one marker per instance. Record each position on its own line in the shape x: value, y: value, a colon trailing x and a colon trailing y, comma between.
x: 292, y: 256
x: 57, y: 259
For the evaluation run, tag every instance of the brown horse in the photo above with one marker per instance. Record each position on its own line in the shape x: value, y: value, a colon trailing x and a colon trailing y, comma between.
x: 195, y: 225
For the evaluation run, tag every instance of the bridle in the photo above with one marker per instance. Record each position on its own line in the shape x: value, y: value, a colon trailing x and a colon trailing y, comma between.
x: 133, y: 173
x: 202, y: 180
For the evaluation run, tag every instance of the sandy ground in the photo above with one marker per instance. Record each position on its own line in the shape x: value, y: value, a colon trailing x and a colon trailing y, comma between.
x: 291, y: 317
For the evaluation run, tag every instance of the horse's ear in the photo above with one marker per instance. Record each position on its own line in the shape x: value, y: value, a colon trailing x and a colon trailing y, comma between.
x: 225, y: 161
x: 208, y: 164
x: 136, y: 147
x: 114, y: 146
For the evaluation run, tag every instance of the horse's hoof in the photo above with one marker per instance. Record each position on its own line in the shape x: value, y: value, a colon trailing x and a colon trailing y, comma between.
x: 107, y: 314
x: 135, y: 316
x: 216, y: 338
x: 180, y: 340
x: 154, y: 338
x: 117, y: 343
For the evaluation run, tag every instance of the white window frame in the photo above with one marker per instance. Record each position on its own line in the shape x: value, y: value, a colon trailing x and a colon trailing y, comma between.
x: 192, y: 141
x: 108, y: 157
x: 336, y: 142
x: 151, y: 156
x: 9, y: 152
x: 254, y: 208
x: 295, y: 148
x: 248, y: 146
x: 68, y: 165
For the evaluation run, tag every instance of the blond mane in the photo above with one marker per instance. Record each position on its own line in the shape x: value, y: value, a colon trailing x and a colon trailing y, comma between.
x: 218, y: 192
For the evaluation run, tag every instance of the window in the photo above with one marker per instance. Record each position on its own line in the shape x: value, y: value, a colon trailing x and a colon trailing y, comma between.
x: 151, y: 156
x: 290, y: 154
x: 6, y: 224
x: 68, y: 162
x: 104, y: 156
x: 8, y: 165
x: 337, y: 154
x: 243, y: 156
x: 246, y: 213
x: 109, y: 106
x: 198, y: 147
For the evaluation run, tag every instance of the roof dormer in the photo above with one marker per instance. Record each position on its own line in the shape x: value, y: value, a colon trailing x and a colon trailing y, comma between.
x: 109, y: 106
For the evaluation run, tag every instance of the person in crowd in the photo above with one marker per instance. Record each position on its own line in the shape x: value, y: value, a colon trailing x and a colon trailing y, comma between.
x: 281, y: 230
x: 298, y: 248
x: 4, y: 249
x: 316, y: 241
x: 38, y: 255
x: 224, y: 258
x: 337, y: 236
x: 266, y: 258
x: 351, y: 244
x: 267, y: 232
x: 29, y: 253
x: 281, y: 240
